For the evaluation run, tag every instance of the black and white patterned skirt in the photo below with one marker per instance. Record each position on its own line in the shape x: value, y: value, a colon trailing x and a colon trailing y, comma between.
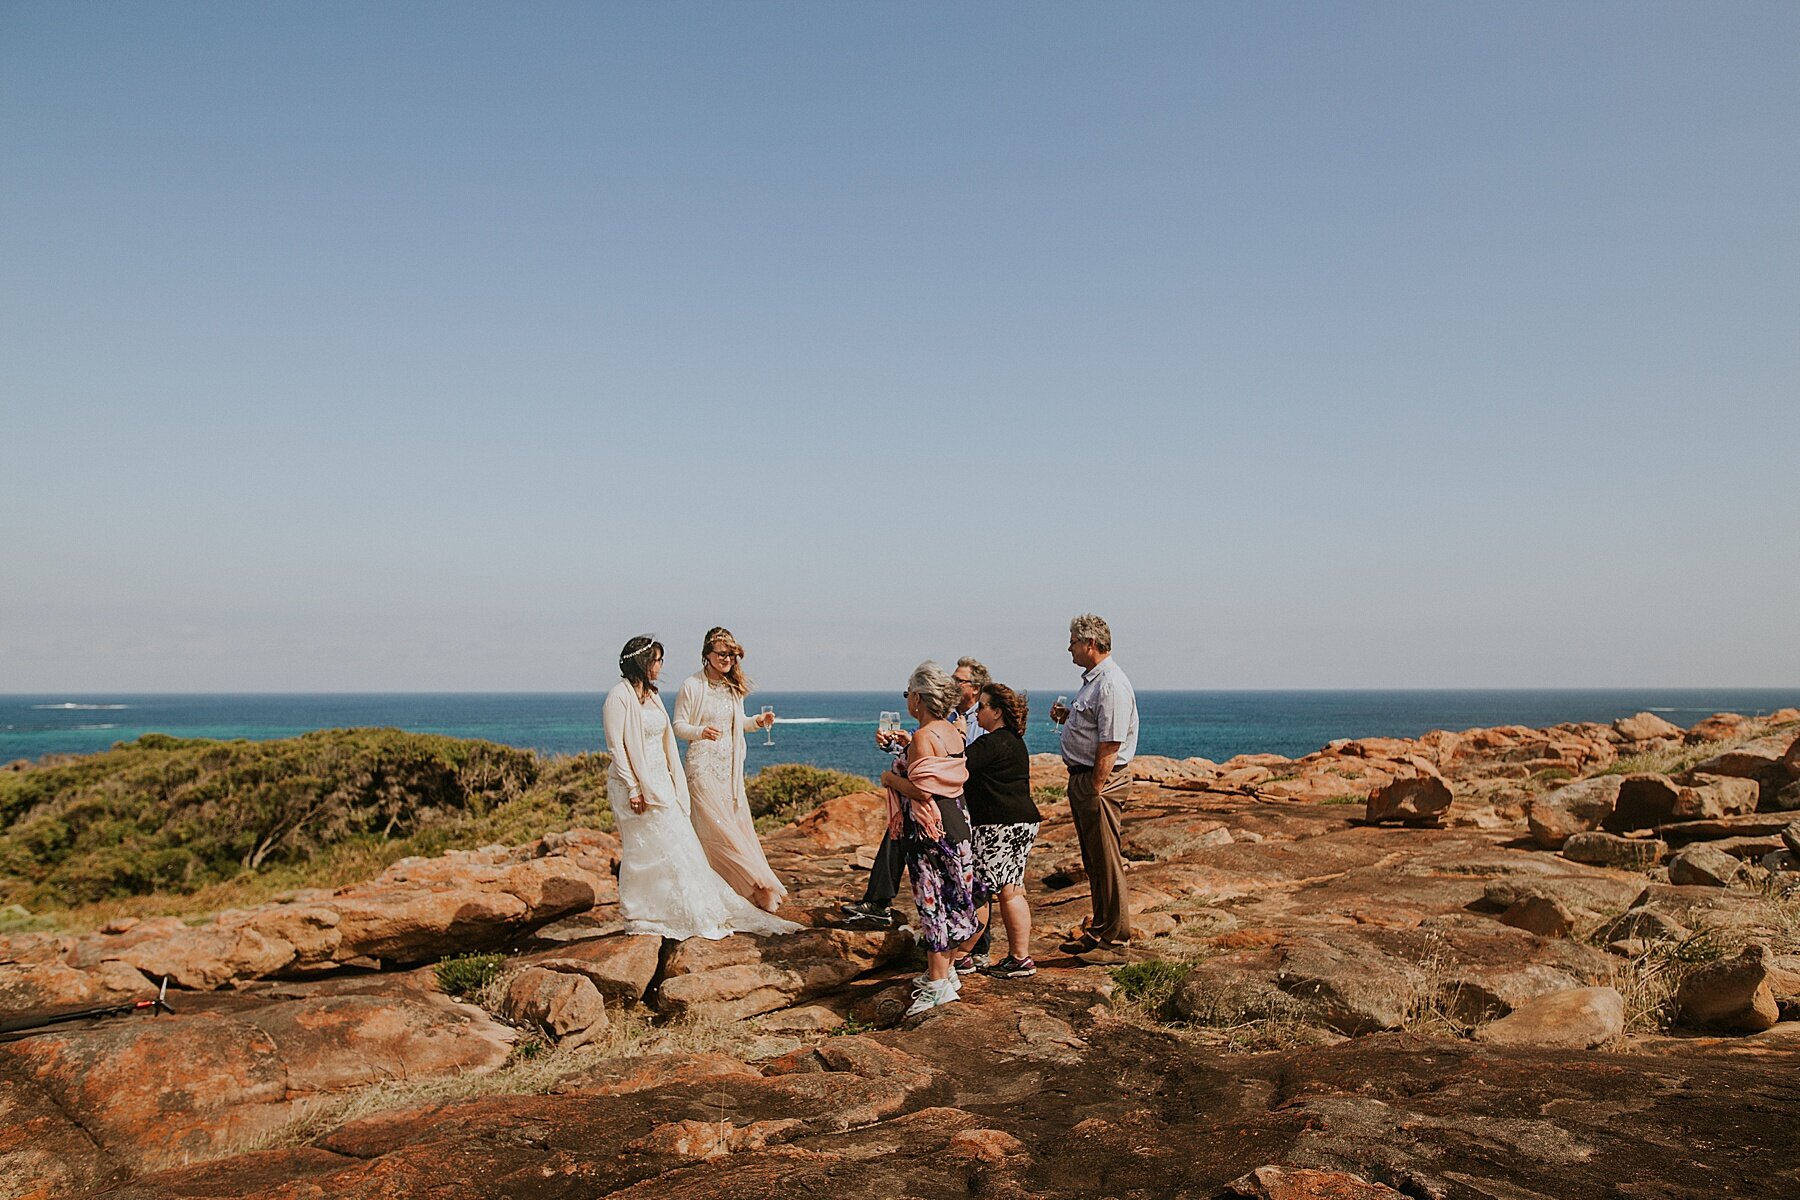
x: 1001, y: 851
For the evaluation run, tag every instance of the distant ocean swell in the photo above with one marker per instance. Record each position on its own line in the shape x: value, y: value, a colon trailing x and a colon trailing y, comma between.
x: 836, y: 729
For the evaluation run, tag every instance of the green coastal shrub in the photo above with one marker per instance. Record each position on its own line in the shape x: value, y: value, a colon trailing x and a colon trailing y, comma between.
x: 165, y: 814
x: 787, y: 790
x: 465, y: 973
x: 1151, y: 985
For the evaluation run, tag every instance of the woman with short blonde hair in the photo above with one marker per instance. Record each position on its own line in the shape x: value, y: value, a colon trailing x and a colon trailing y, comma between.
x: 927, y: 817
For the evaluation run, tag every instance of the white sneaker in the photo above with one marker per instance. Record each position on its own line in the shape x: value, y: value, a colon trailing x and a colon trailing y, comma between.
x: 932, y: 994
x: 924, y: 977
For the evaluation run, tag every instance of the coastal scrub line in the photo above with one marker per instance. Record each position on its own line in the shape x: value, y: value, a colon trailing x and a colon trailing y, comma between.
x: 172, y: 825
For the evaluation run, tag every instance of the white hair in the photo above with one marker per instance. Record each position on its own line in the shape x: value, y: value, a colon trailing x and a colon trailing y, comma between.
x: 935, y: 689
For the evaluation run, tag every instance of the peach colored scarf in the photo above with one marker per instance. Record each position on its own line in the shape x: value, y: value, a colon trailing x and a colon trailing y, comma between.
x: 936, y: 775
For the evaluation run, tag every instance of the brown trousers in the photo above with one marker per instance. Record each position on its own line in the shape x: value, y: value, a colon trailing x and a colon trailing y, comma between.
x: 1095, y: 807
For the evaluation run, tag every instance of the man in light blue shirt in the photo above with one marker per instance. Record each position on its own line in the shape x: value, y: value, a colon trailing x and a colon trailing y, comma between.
x: 1099, y: 737
x: 970, y: 678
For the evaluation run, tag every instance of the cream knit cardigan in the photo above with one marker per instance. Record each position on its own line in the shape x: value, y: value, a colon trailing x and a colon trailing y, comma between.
x: 688, y: 704
x: 623, y: 718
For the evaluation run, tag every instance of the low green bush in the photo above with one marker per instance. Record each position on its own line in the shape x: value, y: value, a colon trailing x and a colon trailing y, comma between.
x: 465, y: 973
x: 175, y: 815
x: 1152, y: 984
x: 786, y: 790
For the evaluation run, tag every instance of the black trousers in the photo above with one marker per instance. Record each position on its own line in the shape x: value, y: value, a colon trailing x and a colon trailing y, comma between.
x: 885, y: 875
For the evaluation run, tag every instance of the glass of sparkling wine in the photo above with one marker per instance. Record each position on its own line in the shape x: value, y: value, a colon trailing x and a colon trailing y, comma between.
x: 768, y: 712
x: 1062, y: 702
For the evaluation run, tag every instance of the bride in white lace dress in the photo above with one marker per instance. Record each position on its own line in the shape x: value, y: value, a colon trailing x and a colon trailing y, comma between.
x: 666, y: 886
x: 709, y: 717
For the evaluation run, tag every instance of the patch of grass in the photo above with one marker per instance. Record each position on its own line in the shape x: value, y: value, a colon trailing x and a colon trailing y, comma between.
x: 1282, y: 778
x: 1342, y: 772
x: 1553, y: 775
x: 1344, y: 800
x: 1431, y: 998
x: 852, y: 1027
x: 1150, y: 986
x: 1670, y: 761
x: 1049, y: 793
x: 466, y: 973
x: 16, y: 918
x: 1649, y: 979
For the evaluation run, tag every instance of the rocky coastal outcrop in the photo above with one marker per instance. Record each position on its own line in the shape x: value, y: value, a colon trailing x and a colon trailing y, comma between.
x: 1495, y: 963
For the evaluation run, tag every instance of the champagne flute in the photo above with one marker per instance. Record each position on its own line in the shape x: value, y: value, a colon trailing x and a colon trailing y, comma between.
x: 768, y: 710
x: 888, y: 726
x: 1062, y: 702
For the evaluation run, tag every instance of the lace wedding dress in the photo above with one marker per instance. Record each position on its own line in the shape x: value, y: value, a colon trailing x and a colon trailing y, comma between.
x: 666, y: 886
x: 721, y: 812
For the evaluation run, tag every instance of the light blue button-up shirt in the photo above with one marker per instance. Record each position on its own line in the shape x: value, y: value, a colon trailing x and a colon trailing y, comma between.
x: 1104, y: 710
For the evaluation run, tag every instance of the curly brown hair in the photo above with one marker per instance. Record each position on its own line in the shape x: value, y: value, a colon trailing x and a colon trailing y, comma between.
x: 1012, y: 706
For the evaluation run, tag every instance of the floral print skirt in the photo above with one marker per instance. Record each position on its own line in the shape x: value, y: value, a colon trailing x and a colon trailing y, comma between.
x: 945, y: 888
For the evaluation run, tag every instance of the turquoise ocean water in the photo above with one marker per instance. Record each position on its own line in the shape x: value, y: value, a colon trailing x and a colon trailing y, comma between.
x: 836, y: 729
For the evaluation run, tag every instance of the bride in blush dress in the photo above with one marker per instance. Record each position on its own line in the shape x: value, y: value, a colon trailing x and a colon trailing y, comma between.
x: 709, y: 716
x: 666, y: 886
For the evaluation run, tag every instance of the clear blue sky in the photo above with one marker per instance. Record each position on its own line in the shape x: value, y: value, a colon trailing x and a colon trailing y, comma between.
x: 443, y: 346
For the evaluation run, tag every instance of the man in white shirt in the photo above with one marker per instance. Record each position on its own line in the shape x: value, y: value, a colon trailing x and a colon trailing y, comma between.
x: 1099, y: 737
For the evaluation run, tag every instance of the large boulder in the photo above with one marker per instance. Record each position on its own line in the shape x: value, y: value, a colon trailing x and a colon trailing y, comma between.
x: 1704, y: 865
x: 1575, y: 808
x: 1647, y: 800
x: 621, y: 966
x: 1543, y: 915
x: 1578, y: 1019
x: 1417, y: 794
x: 1720, y: 727
x: 1734, y: 994
x: 561, y: 1003
x: 1646, y: 727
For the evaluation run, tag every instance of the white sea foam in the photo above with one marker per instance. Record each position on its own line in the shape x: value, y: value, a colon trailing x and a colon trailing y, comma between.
x: 96, y: 727
x: 805, y: 721
x: 83, y: 707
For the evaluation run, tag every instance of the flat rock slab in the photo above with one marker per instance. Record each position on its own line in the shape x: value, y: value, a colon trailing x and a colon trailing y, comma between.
x: 952, y: 1109
x: 1579, y: 1019
x: 152, y: 1091
x: 741, y: 976
x: 1611, y: 850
